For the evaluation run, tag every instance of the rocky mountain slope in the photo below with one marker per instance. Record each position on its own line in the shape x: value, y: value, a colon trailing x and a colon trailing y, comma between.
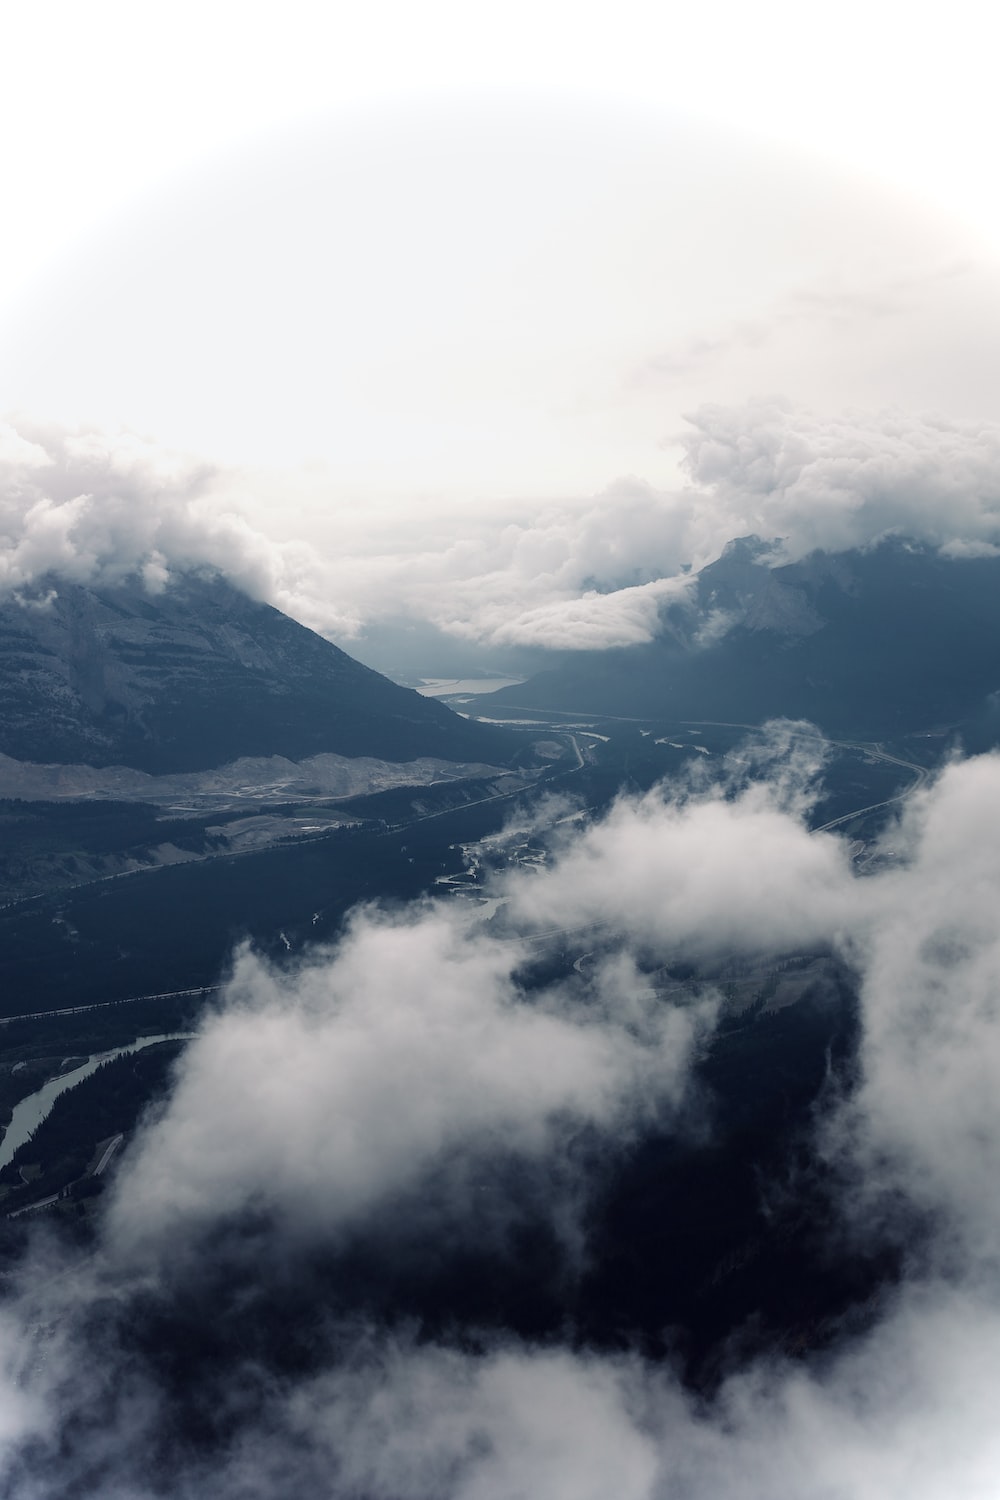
x: 898, y: 637
x: 197, y: 676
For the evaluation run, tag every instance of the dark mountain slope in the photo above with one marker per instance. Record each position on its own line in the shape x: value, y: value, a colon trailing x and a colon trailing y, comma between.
x: 197, y: 676
x: 894, y: 638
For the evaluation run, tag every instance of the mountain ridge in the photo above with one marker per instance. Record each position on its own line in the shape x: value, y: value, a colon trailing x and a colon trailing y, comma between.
x: 893, y: 637
x: 199, y: 675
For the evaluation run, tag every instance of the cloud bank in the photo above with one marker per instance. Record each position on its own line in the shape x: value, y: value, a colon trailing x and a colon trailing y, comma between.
x: 591, y: 574
x: 778, y: 471
x: 325, y: 1096
x: 384, y: 1090
x: 91, y: 508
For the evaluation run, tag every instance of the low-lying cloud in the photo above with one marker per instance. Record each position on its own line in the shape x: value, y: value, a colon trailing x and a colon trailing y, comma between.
x: 700, y: 877
x: 583, y: 575
x: 392, y: 1070
x: 326, y: 1095
x: 905, y: 1411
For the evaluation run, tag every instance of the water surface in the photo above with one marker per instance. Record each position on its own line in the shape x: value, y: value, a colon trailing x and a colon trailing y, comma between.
x: 30, y: 1113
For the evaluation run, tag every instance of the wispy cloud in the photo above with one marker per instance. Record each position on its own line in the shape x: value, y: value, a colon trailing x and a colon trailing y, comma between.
x: 825, y: 308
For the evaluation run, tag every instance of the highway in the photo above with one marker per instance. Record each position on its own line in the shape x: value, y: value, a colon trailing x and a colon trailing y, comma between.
x: 877, y: 753
x: 110, y: 1150
x: 870, y: 747
x: 77, y: 1010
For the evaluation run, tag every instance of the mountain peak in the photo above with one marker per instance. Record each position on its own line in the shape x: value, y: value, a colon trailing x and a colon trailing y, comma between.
x: 747, y: 549
x: 742, y: 586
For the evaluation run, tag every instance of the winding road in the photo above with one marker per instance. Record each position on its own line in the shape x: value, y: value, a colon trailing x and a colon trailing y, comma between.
x: 872, y: 748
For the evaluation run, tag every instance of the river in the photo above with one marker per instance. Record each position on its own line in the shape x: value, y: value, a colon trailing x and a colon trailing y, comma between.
x: 29, y: 1114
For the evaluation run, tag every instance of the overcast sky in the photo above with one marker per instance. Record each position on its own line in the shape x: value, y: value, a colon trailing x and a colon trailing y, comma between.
x: 482, y: 256
x: 432, y: 293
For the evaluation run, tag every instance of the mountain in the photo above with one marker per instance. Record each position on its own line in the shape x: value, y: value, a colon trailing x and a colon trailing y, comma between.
x: 197, y: 676
x: 896, y: 637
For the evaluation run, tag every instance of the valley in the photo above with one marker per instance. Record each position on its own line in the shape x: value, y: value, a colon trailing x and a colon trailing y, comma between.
x: 128, y: 888
x: 106, y: 946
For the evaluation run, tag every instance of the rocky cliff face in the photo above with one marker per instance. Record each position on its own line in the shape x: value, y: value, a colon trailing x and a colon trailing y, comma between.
x: 748, y: 593
x: 197, y: 676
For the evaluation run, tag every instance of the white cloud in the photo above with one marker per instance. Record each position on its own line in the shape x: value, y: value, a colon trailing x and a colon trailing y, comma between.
x: 87, y: 506
x: 414, y: 1040
x: 926, y: 1118
x: 713, y: 872
x: 779, y: 471
x: 598, y: 622
x: 330, y: 1093
x: 325, y: 1095
x: 906, y: 1412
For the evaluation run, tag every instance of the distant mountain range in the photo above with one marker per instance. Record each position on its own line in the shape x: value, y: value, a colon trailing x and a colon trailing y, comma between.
x: 896, y: 637
x: 197, y: 676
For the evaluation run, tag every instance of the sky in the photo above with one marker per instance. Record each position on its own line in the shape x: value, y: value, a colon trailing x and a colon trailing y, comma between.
x: 419, y: 293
